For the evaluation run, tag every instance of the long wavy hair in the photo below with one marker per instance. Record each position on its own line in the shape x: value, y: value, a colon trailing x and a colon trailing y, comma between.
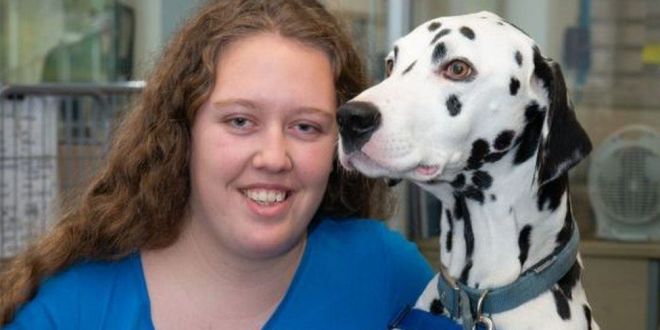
x: 139, y: 197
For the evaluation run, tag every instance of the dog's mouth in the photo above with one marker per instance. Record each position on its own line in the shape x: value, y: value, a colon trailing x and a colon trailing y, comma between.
x: 415, y: 171
x: 427, y: 173
x: 427, y: 170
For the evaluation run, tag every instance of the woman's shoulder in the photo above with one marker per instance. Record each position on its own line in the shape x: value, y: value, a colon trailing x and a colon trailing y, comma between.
x: 85, y: 293
x: 88, y: 275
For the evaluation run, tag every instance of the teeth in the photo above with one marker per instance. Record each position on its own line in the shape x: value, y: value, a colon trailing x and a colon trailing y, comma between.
x: 263, y: 196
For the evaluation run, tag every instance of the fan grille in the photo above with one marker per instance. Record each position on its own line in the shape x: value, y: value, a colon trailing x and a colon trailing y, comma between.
x: 628, y: 190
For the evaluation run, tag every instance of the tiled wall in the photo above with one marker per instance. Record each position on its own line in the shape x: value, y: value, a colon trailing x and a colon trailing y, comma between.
x: 621, y: 33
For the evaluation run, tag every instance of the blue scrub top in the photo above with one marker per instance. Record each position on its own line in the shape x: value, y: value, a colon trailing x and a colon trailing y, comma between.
x: 354, y: 274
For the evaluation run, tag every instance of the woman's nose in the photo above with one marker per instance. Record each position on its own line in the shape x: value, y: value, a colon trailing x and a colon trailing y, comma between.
x: 272, y: 153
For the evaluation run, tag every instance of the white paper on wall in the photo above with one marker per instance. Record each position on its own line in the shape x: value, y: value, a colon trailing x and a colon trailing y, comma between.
x: 28, y: 170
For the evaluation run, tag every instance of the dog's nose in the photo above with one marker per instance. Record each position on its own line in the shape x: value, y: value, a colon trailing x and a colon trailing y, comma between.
x: 357, y: 121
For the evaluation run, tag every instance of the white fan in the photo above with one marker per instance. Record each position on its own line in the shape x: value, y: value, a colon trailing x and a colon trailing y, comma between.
x: 624, y: 185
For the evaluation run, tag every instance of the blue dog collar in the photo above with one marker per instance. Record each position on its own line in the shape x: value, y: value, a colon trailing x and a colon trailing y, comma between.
x: 534, y: 281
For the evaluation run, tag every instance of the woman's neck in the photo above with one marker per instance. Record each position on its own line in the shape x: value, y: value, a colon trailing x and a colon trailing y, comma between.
x: 212, y: 286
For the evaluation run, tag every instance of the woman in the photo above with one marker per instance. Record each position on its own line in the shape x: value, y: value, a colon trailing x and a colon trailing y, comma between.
x: 221, y: 205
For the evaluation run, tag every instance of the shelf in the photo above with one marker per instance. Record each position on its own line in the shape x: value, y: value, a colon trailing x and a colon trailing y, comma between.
x: 603, y: 248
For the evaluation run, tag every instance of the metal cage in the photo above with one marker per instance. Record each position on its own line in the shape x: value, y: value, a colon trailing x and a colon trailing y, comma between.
x: 52, y: 138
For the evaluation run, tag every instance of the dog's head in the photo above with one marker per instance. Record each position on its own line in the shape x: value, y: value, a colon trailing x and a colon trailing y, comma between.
x: 462, y: 92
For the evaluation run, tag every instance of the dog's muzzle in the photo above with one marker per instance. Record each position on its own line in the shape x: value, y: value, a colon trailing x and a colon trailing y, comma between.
x: 357, y: 121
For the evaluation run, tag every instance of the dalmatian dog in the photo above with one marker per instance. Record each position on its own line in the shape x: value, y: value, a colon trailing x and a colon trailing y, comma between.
x: 473, y: 113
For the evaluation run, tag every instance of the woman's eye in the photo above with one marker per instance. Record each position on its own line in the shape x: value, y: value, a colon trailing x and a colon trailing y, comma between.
x: 239, y: 122
x: 307, y: 128
x: 457, y: 70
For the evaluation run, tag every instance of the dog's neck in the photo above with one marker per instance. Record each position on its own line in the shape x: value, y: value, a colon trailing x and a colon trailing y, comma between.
x: 490, y: 236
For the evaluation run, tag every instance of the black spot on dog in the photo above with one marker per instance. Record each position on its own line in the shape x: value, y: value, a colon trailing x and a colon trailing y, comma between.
x: 461, y: 212
x: 493, y: 198
x: 480, y: 149
x: 439, y: 52
x: 562, y: 304
x: 500, y: 23
x: 458, y: 206
x: 518, y: 57
x: 587, y: 315
x: 467, y: 32
x: 450, y: 233
x: 550, y: 194
x: 436, y: 307
x: 523, y: 243
x: 465, y: 273
x: 409, y: 68
x: 440, y: 218
x: 474, y: 193
x: 565, y: 233
x: 459, y: 181
x: 528, y: 141
x: 569, y: 280
x: 494, y: 156
x: 514, y: 86
x: 439, y: 35
x: 482, y: 180
x: 503, y: 140
x: 434, y: 26
x: 453, y: 105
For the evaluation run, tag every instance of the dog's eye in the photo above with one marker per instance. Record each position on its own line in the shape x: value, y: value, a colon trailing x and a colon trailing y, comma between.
x: 457, y: 70
x: 389, y: 65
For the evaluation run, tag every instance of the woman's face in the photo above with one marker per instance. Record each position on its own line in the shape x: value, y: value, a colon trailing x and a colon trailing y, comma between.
x: 263, y: 145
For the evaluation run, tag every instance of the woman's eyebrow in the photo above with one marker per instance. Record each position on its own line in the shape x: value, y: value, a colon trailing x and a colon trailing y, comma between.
x: 254, y: 106
x: 235, y: 101
x: 316, y: 111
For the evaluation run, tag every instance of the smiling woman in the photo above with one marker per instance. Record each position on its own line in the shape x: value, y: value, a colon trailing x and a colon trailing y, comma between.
x: 250, y: 148
x: 222, y: 204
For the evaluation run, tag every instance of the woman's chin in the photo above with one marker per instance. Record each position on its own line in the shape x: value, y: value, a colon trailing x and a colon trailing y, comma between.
x: 270, y: 246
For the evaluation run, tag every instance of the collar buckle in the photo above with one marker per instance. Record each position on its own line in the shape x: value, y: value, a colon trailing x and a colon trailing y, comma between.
x: 483, y: 321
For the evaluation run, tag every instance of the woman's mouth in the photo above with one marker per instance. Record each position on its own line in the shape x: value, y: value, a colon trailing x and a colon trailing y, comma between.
x: 266, y: 196
x: 268, y: 202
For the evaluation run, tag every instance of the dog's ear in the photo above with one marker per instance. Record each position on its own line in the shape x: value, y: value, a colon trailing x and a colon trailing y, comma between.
x: 564, y: 142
